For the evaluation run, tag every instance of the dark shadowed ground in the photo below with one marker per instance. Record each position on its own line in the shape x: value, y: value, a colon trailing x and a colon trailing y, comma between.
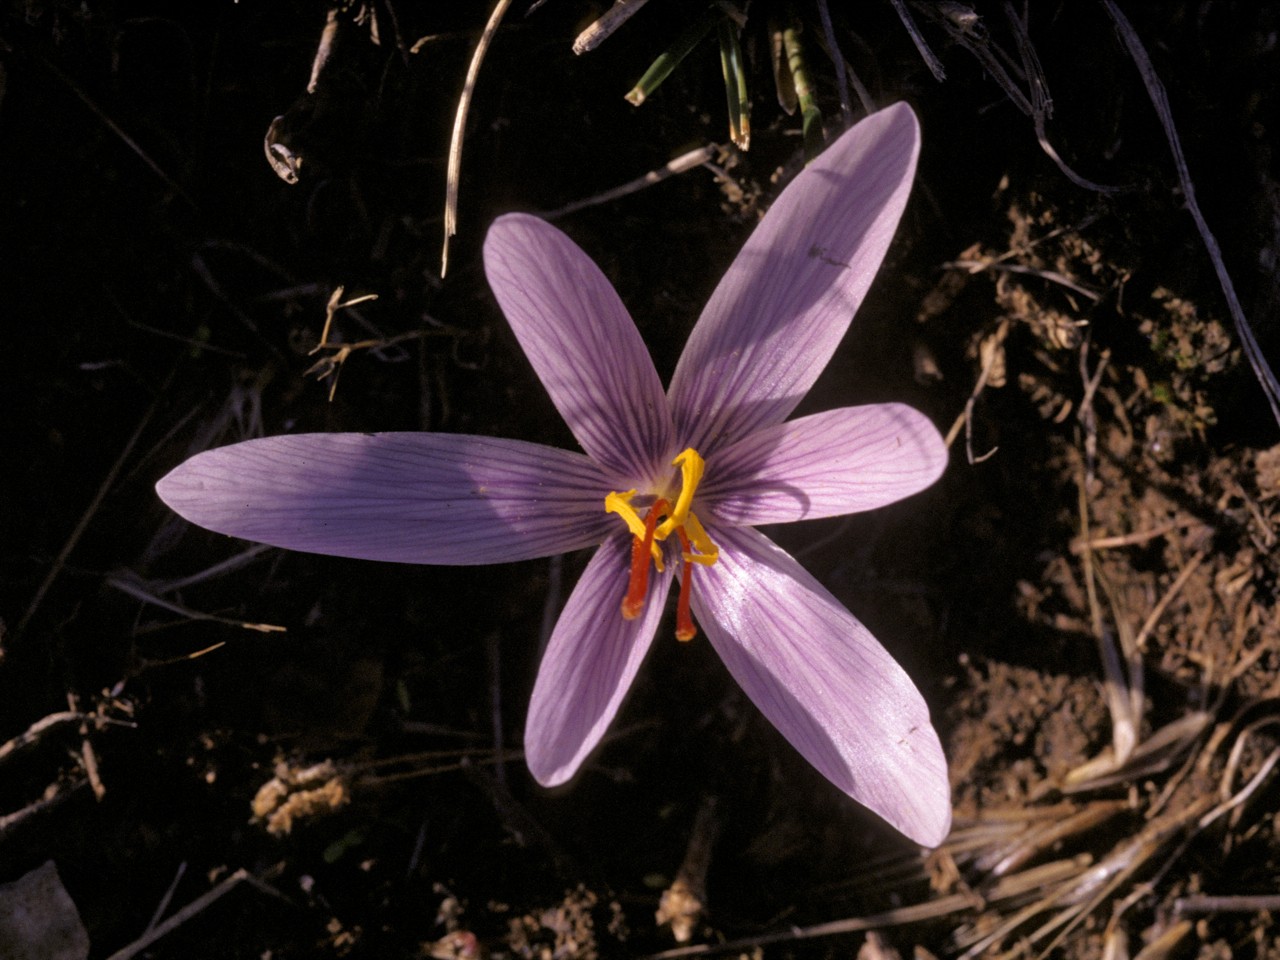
x: 1112, y: 497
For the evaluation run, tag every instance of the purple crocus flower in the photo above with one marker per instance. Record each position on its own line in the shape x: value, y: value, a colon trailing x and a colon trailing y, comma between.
x: 670, y: 486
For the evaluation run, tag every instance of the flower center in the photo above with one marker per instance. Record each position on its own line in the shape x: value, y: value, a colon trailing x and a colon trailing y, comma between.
x: 660, y: 521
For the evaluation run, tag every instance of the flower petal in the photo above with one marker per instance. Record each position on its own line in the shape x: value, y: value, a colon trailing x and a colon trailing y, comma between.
x: 821, y: 678
x: 590, y: 661
x: 583, y: 346
x: 787, y: 299
x: 841, y: 461
x: 406, y: 497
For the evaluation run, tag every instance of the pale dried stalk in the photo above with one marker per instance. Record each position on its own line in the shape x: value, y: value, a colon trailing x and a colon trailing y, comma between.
x: 609, y: 21
x: 459, y: 125
x: 139, y: 590
x: 681, y: 164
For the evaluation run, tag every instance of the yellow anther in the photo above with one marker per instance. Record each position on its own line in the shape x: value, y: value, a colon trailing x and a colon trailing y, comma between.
x: 691, y: 467
x: 696, y: 546
x: 620, y: 503
x: 708, y: 553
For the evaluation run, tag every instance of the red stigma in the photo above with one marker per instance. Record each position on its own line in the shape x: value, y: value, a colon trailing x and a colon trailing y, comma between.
x: 685, y: 628
x: 641, y: 551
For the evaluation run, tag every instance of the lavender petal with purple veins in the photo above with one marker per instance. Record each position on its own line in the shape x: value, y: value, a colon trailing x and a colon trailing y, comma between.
x: 591, y: 659
x: 406, y: 497
x: 770, y: 327
x: 787, y: 299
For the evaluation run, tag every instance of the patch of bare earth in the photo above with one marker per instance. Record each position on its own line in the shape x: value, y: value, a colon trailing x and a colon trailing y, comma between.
x: 1113, y: 765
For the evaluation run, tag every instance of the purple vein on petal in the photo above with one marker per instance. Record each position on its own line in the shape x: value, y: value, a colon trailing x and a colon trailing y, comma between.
x: 406, y: 497
x: 582, y: 344
x: 784, y: 304
x: 824, y: 681
x: 589, y: 664
x: 832, y: 463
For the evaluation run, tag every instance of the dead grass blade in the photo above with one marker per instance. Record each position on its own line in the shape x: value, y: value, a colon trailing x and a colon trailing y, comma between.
x: 197, y: 906
x: 230, y: 565
x: 681, y: 164
x: 1041, y: 102
x: 459, y: 127
x: 37, y: 730
x: 600, y: 30
x: 914, y: 913
x: 94, y: 503
x: 53, y: 796
x: 922, y: 47
x: 993, y: 352
x: 141, y: 590
x: 115, y: 128
x: 1206, y: 904
x: 837, y: 60
x: 1160, y: 100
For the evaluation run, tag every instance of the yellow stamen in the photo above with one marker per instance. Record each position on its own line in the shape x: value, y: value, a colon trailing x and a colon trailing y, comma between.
x: 708, y: 553
x: 692, y: 466
x: 647, y: 532
x: 620, y: 503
